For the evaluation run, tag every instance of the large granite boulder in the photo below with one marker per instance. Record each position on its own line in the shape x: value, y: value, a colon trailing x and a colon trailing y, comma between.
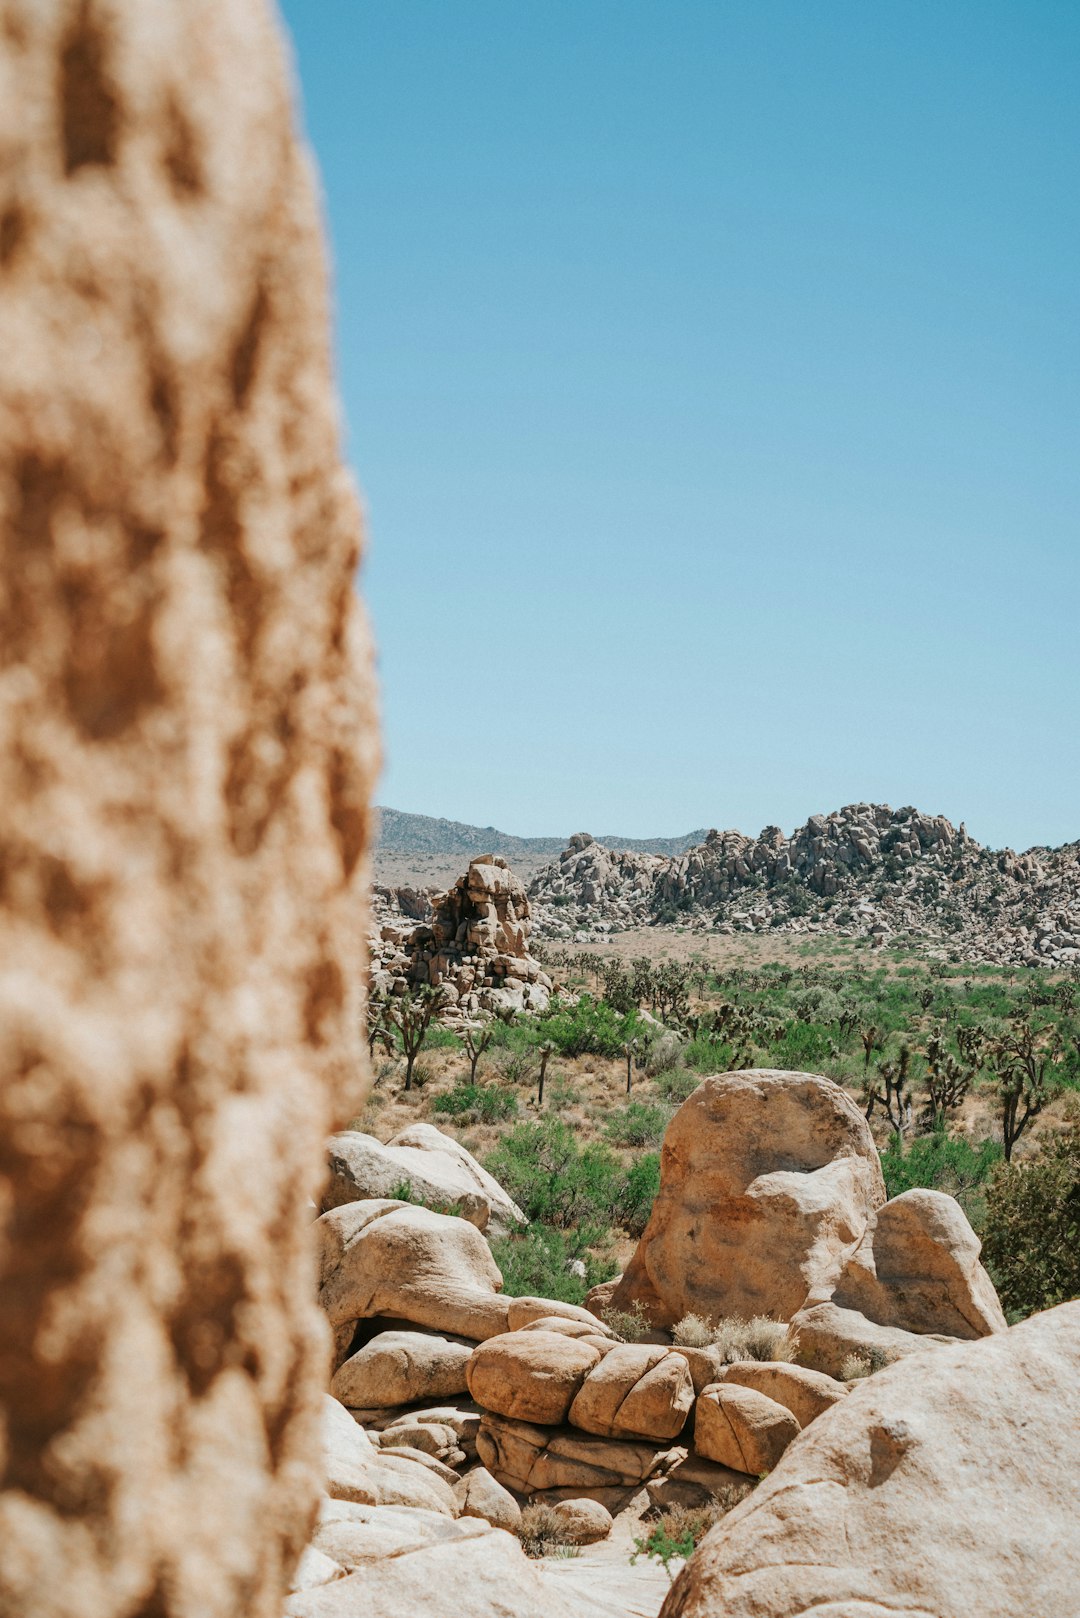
x: 187, y: 743
x: 917, y: 1268
x: 743, y: 1429
x: 531, y: 1375
x: 437, y: 1169
x: 402, y: 1367
x: 636, y: 1391
x: 392, y: 1259
x: 946, y: 1485
x: 767, y: 1183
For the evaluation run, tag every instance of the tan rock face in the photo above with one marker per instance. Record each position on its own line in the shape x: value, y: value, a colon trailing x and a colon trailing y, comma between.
x: 917, y: 1268
x: 741, y: 1428
x: 637, y: 1390
x: 828, y: 1335
x: 948, y: 1484
x: 437, y: 1168
x: 399, y: 1367
x: 188, y: 744
x: 526, y: 1458
x: 530, y: 1375
x: 405, y: 1262
x: 767, y: 1181
x: 807, y: 1394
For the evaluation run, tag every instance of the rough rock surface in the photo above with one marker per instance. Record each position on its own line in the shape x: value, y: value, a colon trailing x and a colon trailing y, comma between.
x: 636, y: 1391
x: 526, y: 1457
x: 947, y: 1485
x: 583, y: 1522
x: 188, y: 743
x: 404, y: 1262
x: 807, y: 1394
x: 475, y: 948
x: 742, y: 1428
x: 355, y: 1470
x: 437, y: 1168
x: 917, y: 1268
x: 767, y: 1181
x: 401, y: 1367
x: 480, y: 1495
x: 530, y: 1375
x: 828, y: 1335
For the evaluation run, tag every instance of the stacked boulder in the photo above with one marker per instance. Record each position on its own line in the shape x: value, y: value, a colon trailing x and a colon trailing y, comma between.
x: 474, y: 948
x: 613, y: 887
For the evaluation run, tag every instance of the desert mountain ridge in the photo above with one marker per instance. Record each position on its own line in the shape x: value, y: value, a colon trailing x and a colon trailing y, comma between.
x: 400, y: 833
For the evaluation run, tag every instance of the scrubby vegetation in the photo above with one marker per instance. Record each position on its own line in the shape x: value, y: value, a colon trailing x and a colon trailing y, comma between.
x: 962, y: 1071
x: 737, y: 1339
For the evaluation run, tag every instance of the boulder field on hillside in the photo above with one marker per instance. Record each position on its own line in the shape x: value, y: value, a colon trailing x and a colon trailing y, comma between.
x: 457, y: 1406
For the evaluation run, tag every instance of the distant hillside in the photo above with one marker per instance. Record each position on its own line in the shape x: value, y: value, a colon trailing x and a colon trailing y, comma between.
x: 400, y: 833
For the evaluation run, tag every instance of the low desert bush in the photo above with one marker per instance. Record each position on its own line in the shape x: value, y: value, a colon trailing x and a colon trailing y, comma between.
x: 559, y: 1182
x: 629, y: 1325
x: 535, y: 1262
x: 541, y: 1530
x: 1031, y: 1236
x: 487, y: 1103
x: 756, y: 1339
x: 866, y: 1363
x: 588, y: 1028
x: 942, y: 1162
x: 642, y: 1123
x: 663, y: 1054
x: 676, y: 1533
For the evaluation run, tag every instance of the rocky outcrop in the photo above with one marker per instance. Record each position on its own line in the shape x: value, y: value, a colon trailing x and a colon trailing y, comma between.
x: 475, y: 948
x: 188, y: 740
x: 945, y: 1485
x: 767, y: 1182
x: 436, y: 1168
x: 865, y: 870
x: 742, y: 1429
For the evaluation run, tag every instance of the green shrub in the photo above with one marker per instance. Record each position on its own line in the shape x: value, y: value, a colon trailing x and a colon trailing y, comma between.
x: 535, y: 1262
x: 642, y: 1123
x: 704, y: 1055
x: 554, y: 1179
x: 802, y: 1046
x: 942, y: 1162
x: 638, y: 1194
x: 677, y: 1085
x: 589, y: 1028
x: 486, y: 1101
x: 1031, y: 1236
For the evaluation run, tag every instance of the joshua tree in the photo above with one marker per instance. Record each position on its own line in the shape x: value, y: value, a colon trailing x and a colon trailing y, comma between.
x: 947, y: 1082
x: 547, y: 1050
x: 892, y: 1093
x: 1026, y: 1082
x: 628, y: 1051
x: 871, y: 1042
x: 476, y: 1037
x: 411, y: 1014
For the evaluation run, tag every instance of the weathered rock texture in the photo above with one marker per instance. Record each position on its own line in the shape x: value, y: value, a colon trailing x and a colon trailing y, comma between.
x: 767, y: 1183
x: 946, y: 1485
x: 187, y: 737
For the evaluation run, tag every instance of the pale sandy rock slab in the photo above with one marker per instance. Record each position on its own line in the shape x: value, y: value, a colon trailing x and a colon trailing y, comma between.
x: 767, y: 1181
x: 353, y: 1534
x: 741, y: 1428
x: 917, y: 1268
x: 530, y: 1376
x: 637, y: 1390
x: 807, y: 1394
x: 527, y: 1458
x: 437, y: 1169
x: 314, y: 1568
x: 527, y: 1311
x: 400, y: 1367
x: 480, y: 1495
x: 486, y: 1575
x: 828, y: 1335
x: 394, y: 1259
x: 188, y: 742
x: 356, y: 1471
x: 947, y: 1485
x: 583, y: 1521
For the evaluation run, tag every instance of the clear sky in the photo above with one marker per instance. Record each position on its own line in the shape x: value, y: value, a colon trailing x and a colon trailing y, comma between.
x: 712, y: 376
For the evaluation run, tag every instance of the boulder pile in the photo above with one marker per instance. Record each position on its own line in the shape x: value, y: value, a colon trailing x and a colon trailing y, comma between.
x: 474, y: 947
x: 459, y: 1406
x: 865, y: 870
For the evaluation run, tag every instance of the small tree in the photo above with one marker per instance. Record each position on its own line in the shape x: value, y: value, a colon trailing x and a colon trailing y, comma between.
x: 476, y: 1037
x: 889, y: 1090
x: 547, y: 1050
x: 628, y: 1051
x: 411, y: 1016
x: 1031, y: 1239
x: 1024, y: 1071
x: 871, y: 1042
x: 947, y: 1083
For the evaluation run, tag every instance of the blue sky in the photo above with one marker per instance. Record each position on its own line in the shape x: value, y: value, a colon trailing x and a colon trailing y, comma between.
x: 711, y: 376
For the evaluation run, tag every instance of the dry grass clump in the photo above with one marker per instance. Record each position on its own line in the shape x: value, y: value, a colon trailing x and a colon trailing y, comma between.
x: 629, y: 1325
x: 737, y: 1339
x: 865, y: 1364
x: 542, y: 1531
